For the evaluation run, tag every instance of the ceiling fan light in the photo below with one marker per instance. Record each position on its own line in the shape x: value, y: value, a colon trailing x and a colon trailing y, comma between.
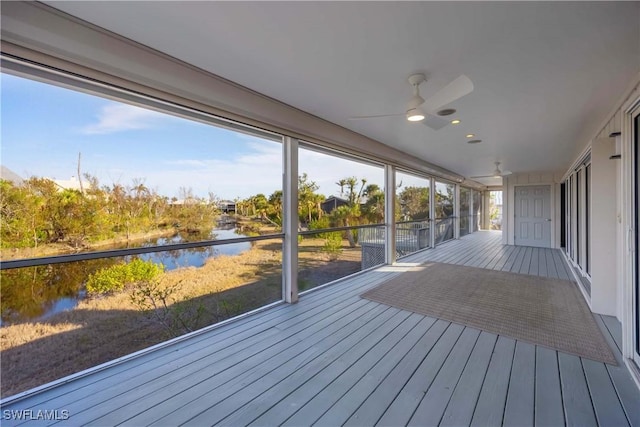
x: 415, y: 115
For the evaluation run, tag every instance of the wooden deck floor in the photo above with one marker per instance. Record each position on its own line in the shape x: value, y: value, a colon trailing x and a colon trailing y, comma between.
x: 337, y: 359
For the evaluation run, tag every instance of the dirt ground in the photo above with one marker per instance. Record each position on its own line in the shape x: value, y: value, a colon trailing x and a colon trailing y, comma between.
x: 101, y: 329
x: 61, y: 248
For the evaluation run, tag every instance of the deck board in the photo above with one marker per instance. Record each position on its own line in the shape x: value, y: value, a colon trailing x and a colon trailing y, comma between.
x: 614, y: 328
x: 575, y: 393
x: 363, y: 352
x: 535, y: 261
x: 376, y: 403
x: 519, y: 408
x: 508, y: 265
x: 459, y: 410
x: 548, y: 399
x: 337, y: 359
x: 517, y: 264
x: 561, y: 266
x: 406, y: 402
x: 626, y: 389
x: 253, y: 366
x: 434, y: 402
x: 552, y: 271
x: 526, y: 262
x: 491, y: 402
x: 606, y: 403
x: 345, y: 393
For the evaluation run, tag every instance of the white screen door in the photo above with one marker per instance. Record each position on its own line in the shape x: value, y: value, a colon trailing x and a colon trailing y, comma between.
x: 533, y: 216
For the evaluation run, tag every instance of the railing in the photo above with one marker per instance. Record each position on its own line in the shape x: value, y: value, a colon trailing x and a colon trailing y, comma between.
x: 114, y: 253
x: 325, y: 255
x: 50, y: 312
x: 496, y: 222
x: 411, y: 236
x: 465, y: 220
x: 444, y: 228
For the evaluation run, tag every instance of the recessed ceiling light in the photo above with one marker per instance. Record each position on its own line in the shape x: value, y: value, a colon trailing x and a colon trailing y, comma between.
x: 470, y: 135
x: 455, y: 122
x: 446, y: 112
x: 474, y: 141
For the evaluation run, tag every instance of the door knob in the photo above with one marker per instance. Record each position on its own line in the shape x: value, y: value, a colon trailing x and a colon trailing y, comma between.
x: 548, y: 219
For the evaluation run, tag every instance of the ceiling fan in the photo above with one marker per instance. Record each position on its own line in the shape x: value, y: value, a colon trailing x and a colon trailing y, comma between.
x: 496, y: 173
x: 419, y: 109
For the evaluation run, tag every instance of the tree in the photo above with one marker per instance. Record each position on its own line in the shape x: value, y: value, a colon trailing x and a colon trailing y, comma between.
x: 444, y: 201
x: 274, y: 210
x: 373, y: 208
x: 194, y: 215
x: 414, y: 203
x: 309, y: 202
x: 21, y: 222
x: 349, y: 214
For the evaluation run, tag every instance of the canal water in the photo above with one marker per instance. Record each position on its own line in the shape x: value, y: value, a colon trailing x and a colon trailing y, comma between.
x: 36, y: 293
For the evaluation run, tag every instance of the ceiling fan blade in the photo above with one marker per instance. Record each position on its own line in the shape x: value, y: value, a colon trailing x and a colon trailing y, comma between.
x: 375, y: 116
x: 435, y: 122
x: 505, y: 173
x: 458, y: 88
x: 485, y: 176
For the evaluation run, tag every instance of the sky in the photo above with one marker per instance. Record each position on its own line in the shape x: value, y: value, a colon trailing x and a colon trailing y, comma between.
x: 44, y: 127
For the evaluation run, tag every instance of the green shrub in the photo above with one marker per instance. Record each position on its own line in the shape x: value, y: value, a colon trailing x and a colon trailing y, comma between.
x: 116, y: 277
x: 320, y: 224
x: 333, y: 244
x: 158, y: 301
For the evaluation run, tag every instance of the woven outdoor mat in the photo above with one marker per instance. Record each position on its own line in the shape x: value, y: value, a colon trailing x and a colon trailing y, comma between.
x: 539, y: 310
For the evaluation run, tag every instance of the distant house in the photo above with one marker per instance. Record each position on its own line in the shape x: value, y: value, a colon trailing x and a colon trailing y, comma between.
x: 332, y: 203
x: 187, y: 201
x: 72, y: 183
x: 7, y: 174
x: 227, y: 206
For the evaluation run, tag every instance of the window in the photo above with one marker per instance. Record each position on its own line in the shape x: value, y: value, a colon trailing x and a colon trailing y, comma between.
x: 477, y: 207
x: 199, y: 237
x: 495, y: 210
x: 444, y: 211
x: 413, y: 225
x: 577, y: 217
x: 466, y: 218
x: 341, y: 214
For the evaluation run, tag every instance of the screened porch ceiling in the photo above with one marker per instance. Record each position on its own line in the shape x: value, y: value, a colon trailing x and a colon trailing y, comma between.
x: 545, y: 75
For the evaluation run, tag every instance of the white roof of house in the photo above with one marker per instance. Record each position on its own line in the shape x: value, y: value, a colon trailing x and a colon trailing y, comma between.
x: 9, y: 175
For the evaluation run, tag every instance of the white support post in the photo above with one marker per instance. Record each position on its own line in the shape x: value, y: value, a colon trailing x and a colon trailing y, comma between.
x: 432, y: 212
x: 456, y: 212
x: 290, y: 220
x: 486, y: 210
x: 390, y: 214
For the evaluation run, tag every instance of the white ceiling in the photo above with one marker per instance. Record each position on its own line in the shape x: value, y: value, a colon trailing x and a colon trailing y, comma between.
x: 545, y: 74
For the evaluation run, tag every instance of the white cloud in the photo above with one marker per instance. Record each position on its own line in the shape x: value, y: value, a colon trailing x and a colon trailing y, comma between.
x: 256, y: 170
x: 326, y: 170
x: 122, y: 117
